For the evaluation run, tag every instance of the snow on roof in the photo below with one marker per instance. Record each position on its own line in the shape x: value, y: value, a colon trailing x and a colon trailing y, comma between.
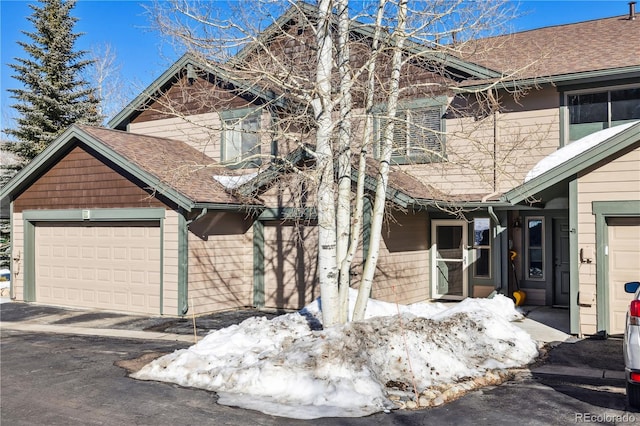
x: 573, y: 149
x: 233, y: 182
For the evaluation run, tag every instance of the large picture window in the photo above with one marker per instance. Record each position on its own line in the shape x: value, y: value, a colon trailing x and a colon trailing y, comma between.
x: 240, y: 136
x: 593, y: 111
x: 534, y: 240
x: 482, y: 248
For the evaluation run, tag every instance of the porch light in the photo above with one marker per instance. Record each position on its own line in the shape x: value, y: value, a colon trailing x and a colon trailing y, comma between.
x: 516, y: 223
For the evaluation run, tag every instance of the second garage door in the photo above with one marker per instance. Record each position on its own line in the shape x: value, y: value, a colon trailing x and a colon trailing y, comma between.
x: 624, y: 252
x: 112, y: 266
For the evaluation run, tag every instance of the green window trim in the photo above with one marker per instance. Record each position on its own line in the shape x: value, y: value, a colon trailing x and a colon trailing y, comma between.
x: 602, y: 211
x: 239, y: 115
x: 31, y: 217
x: 439, y: 103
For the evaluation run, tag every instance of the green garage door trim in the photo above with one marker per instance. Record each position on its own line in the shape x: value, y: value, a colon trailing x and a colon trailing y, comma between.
x: 602, y: 210
x: 30, y: 217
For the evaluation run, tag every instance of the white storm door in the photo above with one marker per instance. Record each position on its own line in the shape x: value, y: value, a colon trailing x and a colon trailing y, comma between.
x: 449, y: 259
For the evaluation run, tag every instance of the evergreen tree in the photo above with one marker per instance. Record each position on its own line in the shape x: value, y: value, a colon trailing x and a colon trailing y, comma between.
x: 54, y: 94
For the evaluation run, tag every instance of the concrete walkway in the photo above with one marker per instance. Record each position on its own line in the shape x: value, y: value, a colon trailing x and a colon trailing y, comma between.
x: 548, y: 326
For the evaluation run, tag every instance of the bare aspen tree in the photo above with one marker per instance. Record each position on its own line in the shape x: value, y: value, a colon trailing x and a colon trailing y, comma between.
x: 329, y: 79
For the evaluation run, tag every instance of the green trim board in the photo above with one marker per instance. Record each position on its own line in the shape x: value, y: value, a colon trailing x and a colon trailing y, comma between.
x: 610, y: 74
x: 29, y: 253
x: 604, y: 210
x: 574, y: 262
x: 258, y: 264
x: 183, y: 264
x: 569, y: 169
x: 122, y: 119
x: 70, y: 138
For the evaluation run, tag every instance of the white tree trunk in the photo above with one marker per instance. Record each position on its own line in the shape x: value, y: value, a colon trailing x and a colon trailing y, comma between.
x: 377, y: 215
x: 322, y: 105
x: 343, y: 204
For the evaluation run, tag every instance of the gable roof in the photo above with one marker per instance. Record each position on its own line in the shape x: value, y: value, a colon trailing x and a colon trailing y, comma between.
x: 311, y: 11
x: 566, y: 165
x: 171, y: 75
x: 168, y: 167
x: 563, y: 52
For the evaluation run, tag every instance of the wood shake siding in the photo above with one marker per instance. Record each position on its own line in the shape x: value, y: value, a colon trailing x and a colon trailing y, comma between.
x: 220, y: 272
x: 402, y: 272
x: 80, y: 180
x: 170, y: 263
x: 183, y: 99
x: 618, y: 180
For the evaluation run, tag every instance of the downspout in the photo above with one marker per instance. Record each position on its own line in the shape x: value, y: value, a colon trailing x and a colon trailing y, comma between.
x: 183, y: 260
x: 200, y: 216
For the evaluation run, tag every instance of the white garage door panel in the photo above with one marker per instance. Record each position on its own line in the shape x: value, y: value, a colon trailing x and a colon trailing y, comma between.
x: 624, y: 252
x: 105, y: 266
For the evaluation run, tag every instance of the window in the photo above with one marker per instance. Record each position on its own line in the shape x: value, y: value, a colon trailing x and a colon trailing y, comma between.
x: 417, y: 132
x: 593, y: 111
x: 482, y: 248
x: 240, y: 136
x: 534, y: 240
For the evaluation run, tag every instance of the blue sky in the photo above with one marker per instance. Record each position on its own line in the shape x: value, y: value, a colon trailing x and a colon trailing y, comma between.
x: 143, y: 55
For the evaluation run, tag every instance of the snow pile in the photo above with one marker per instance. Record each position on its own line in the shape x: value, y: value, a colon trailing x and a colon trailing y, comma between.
x: 567, y: 152
x: 282, y: 367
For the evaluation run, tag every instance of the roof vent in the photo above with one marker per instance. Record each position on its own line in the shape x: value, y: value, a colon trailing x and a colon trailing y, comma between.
x: 632, y: 10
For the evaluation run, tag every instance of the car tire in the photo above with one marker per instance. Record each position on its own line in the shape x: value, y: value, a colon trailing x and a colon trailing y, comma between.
x: 633, y: 395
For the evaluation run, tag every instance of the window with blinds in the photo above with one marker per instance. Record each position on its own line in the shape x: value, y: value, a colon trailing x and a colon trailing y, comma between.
x: 417, y: 134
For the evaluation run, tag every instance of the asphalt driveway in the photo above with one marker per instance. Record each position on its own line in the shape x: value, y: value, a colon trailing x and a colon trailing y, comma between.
x: 57, y: 378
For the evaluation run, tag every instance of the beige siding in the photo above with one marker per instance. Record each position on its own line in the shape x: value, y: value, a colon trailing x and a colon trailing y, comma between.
x: 170, y: 264
x: 17, y: 255
x: 202, y: 131
x: 220, y: 272
x: 402, y: 272
x: 615, y: 181
x: 523, y: 137
x: 290, y: 265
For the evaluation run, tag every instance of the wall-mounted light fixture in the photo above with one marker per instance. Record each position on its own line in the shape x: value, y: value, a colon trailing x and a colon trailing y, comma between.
x: 516, y: 223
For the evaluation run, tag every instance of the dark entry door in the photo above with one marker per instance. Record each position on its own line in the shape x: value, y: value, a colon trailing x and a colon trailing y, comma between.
x: 561, y: 263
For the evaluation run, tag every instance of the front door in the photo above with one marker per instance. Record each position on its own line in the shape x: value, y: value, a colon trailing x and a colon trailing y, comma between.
x: 561, y: 262
x: 449, y: 259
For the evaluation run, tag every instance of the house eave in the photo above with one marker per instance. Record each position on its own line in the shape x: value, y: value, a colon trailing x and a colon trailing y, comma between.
x: 569, y: 169
x: 59, y: 147
x: 557, y: 80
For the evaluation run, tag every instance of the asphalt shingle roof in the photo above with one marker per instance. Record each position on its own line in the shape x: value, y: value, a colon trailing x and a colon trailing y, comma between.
x: 175, y: 163
x: 563, y: 49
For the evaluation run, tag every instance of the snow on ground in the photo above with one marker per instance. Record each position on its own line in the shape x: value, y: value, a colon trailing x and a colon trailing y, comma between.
x: 567, y: 152
x: 285, y: 367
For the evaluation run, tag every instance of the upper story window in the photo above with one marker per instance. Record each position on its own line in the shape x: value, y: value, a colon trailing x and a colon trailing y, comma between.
x: 597, y: 110
x: 241, y: 137
x: 418, y: 132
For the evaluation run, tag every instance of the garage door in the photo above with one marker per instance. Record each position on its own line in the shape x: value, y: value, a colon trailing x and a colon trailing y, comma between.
x: 106, y: 266
x: 290, y: 265
x: 624, y: 252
